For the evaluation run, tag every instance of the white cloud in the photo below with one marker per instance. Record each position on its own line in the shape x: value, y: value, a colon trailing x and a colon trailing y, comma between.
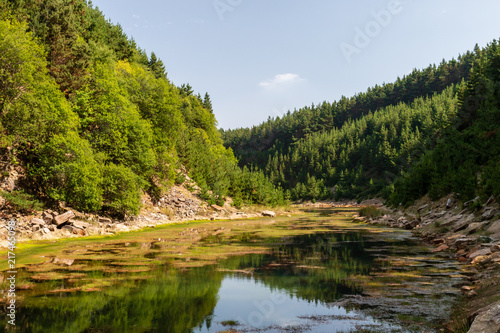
x: 281, y: 80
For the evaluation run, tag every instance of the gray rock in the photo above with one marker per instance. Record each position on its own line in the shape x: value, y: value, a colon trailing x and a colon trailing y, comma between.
x: 35, y: 228
x: 487, y: 321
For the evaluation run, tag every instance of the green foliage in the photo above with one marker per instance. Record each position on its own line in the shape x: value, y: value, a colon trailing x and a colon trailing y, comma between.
x: 465, y: 159
x: 31, y: 107
x: 67, y: 170
x: 21, y: 201
x: 121, y: 190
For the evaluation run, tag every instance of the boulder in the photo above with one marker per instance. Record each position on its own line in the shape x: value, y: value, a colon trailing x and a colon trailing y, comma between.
x: 268, y: 213
x: 59, y: 220
x: 487, y: 321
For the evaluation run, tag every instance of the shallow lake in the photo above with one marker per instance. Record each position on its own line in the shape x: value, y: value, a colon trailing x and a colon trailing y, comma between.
x: 344, y: 279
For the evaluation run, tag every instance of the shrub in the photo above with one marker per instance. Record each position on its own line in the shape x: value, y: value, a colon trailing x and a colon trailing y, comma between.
x: 22, y: 201
x: 122, y: 190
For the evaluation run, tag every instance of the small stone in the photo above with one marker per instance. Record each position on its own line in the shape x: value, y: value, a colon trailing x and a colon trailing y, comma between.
x: 495, y: 248
x: 104, y: 220
x: 35, y: 228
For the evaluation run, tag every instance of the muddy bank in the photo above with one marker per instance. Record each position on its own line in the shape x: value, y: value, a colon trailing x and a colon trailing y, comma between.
x: 468, y: 232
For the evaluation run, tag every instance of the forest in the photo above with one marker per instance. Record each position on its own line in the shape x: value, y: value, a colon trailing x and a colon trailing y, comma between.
x: 434, y: 131
x: 94, y: 121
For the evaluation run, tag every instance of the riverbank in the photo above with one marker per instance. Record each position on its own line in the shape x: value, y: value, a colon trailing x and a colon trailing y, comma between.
x: 177, y: 206
x: 469, y: 233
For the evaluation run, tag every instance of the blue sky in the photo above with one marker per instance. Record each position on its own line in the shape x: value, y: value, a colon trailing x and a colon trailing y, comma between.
x: 261, y: 58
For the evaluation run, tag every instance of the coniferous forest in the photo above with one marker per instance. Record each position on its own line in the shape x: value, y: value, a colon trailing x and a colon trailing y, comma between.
x: 434, y: 131
x: 95, y: 122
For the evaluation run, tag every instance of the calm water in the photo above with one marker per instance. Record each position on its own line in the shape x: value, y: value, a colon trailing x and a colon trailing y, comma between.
x: 341, y: 281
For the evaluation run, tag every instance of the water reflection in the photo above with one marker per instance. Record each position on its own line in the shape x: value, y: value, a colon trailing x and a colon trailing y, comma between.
x: 293, y: 288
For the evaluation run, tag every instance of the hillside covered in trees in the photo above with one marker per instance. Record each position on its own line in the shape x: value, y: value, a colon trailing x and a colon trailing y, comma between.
x: 95, y: 122
x: 434, y: 131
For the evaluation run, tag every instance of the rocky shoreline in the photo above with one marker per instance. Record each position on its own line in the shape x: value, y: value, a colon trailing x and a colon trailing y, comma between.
x: 468, y: 232
x: 178, y: 205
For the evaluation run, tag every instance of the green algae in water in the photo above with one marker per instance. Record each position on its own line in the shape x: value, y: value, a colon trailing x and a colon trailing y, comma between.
x: 341, y: 280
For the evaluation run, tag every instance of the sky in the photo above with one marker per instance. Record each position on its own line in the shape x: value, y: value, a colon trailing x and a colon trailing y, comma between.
x: 262, y: 58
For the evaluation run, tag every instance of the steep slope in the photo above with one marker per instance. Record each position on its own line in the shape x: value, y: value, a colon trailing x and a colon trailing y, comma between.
x: 94, y: 122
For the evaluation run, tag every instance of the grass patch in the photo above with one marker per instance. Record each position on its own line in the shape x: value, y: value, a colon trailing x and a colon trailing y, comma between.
x: 370, y: 212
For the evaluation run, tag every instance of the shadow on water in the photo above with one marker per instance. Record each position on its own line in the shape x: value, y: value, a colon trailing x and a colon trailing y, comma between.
x: 384, y: 279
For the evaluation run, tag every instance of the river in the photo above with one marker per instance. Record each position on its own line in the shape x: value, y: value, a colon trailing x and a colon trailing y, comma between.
x: 322, y: 277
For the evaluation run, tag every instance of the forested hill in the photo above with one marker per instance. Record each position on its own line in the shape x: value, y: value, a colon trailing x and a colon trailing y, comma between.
x: 89, y: 119
x: 255, y: 145
x: 433, y: 131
